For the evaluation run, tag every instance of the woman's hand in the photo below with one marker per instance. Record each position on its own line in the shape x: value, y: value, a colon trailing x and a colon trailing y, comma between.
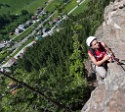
x: 106, y: 57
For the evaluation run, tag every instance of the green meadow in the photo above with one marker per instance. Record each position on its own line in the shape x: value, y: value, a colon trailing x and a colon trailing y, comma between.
x: 52, y: 6
x: 15, y: 6
x: 70, y: 6
x: 81, y: 8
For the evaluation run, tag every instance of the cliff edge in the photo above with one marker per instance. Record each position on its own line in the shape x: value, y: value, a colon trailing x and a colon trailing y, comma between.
x: 109, y: 96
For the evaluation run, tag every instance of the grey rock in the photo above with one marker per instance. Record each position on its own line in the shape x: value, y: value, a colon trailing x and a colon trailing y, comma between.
x: 109, y: 96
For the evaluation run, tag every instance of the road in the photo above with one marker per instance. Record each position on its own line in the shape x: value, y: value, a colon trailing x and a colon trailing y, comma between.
x: 75, y: 7
x: 19, y: 44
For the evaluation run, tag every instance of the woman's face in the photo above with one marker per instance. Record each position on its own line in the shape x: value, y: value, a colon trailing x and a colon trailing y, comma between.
x: 95, y: 44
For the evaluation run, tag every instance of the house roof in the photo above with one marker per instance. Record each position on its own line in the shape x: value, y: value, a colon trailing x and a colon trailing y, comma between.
x: 39, y: 38
x: 2, y: 45
x: 17, y: 30
x: 11, y: 83
x: 11, y: 62
x: 21, y: 26
x: 34, y: 17
x: 28, y: 22
x: 56, y: 19
x: 50, y: 22
x: 11, y: 33
x: 39, y: 8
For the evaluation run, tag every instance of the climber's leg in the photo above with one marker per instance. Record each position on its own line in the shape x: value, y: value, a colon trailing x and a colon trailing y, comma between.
x: 101, y: 70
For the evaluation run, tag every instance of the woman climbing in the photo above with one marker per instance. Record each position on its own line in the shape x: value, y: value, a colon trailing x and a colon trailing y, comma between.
x: 99, y: 55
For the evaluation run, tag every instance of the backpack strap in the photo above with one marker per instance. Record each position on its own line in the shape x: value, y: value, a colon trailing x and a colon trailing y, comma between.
x: 93, y: 52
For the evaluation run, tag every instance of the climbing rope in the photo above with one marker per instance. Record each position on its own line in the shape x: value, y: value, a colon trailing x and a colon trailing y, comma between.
x: 119, y: 63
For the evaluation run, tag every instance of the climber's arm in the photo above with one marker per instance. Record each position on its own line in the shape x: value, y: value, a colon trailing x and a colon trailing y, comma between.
x: 108, y: 49
x: 98, y: 63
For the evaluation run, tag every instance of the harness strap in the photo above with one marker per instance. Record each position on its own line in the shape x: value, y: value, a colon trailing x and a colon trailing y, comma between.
x: 93, y: 52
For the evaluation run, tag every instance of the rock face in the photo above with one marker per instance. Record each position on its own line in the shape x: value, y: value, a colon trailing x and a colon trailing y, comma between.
x: 109, y: 96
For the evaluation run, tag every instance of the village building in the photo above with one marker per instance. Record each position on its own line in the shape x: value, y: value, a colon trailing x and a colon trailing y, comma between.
x: 44, y: 12
x: 28, y: 23
x: 40, y: 8
x: 11, y: 33
x: 10, y: 43
x: 39, y: 38
x: 2, y: 45
x: 56, y: 19
x: 22, y: 26
x: 34, y: 17
x: 58, y: 23
x: 13, y: 86
x: 37, y: 12
x: 17, y: 31
x: 45, y: 2
x: 11, y: 62
x: 40, y: 32
x: 20, y: 55
x: 51, y: 23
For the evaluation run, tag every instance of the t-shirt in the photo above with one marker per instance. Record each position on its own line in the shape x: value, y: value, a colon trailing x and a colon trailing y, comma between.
x: 99, y: 53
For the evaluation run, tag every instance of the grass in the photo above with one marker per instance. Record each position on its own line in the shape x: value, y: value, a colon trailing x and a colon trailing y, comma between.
x: 70, y: 6
x: 12, y: 36
x: 24, y: 34
x: 55, y: 15
x: 52, y: 6
x: 15, y: 6
x: 31, y: 6
x: 81, y: 8
x: 67, y: 7
x: 26, y: 43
